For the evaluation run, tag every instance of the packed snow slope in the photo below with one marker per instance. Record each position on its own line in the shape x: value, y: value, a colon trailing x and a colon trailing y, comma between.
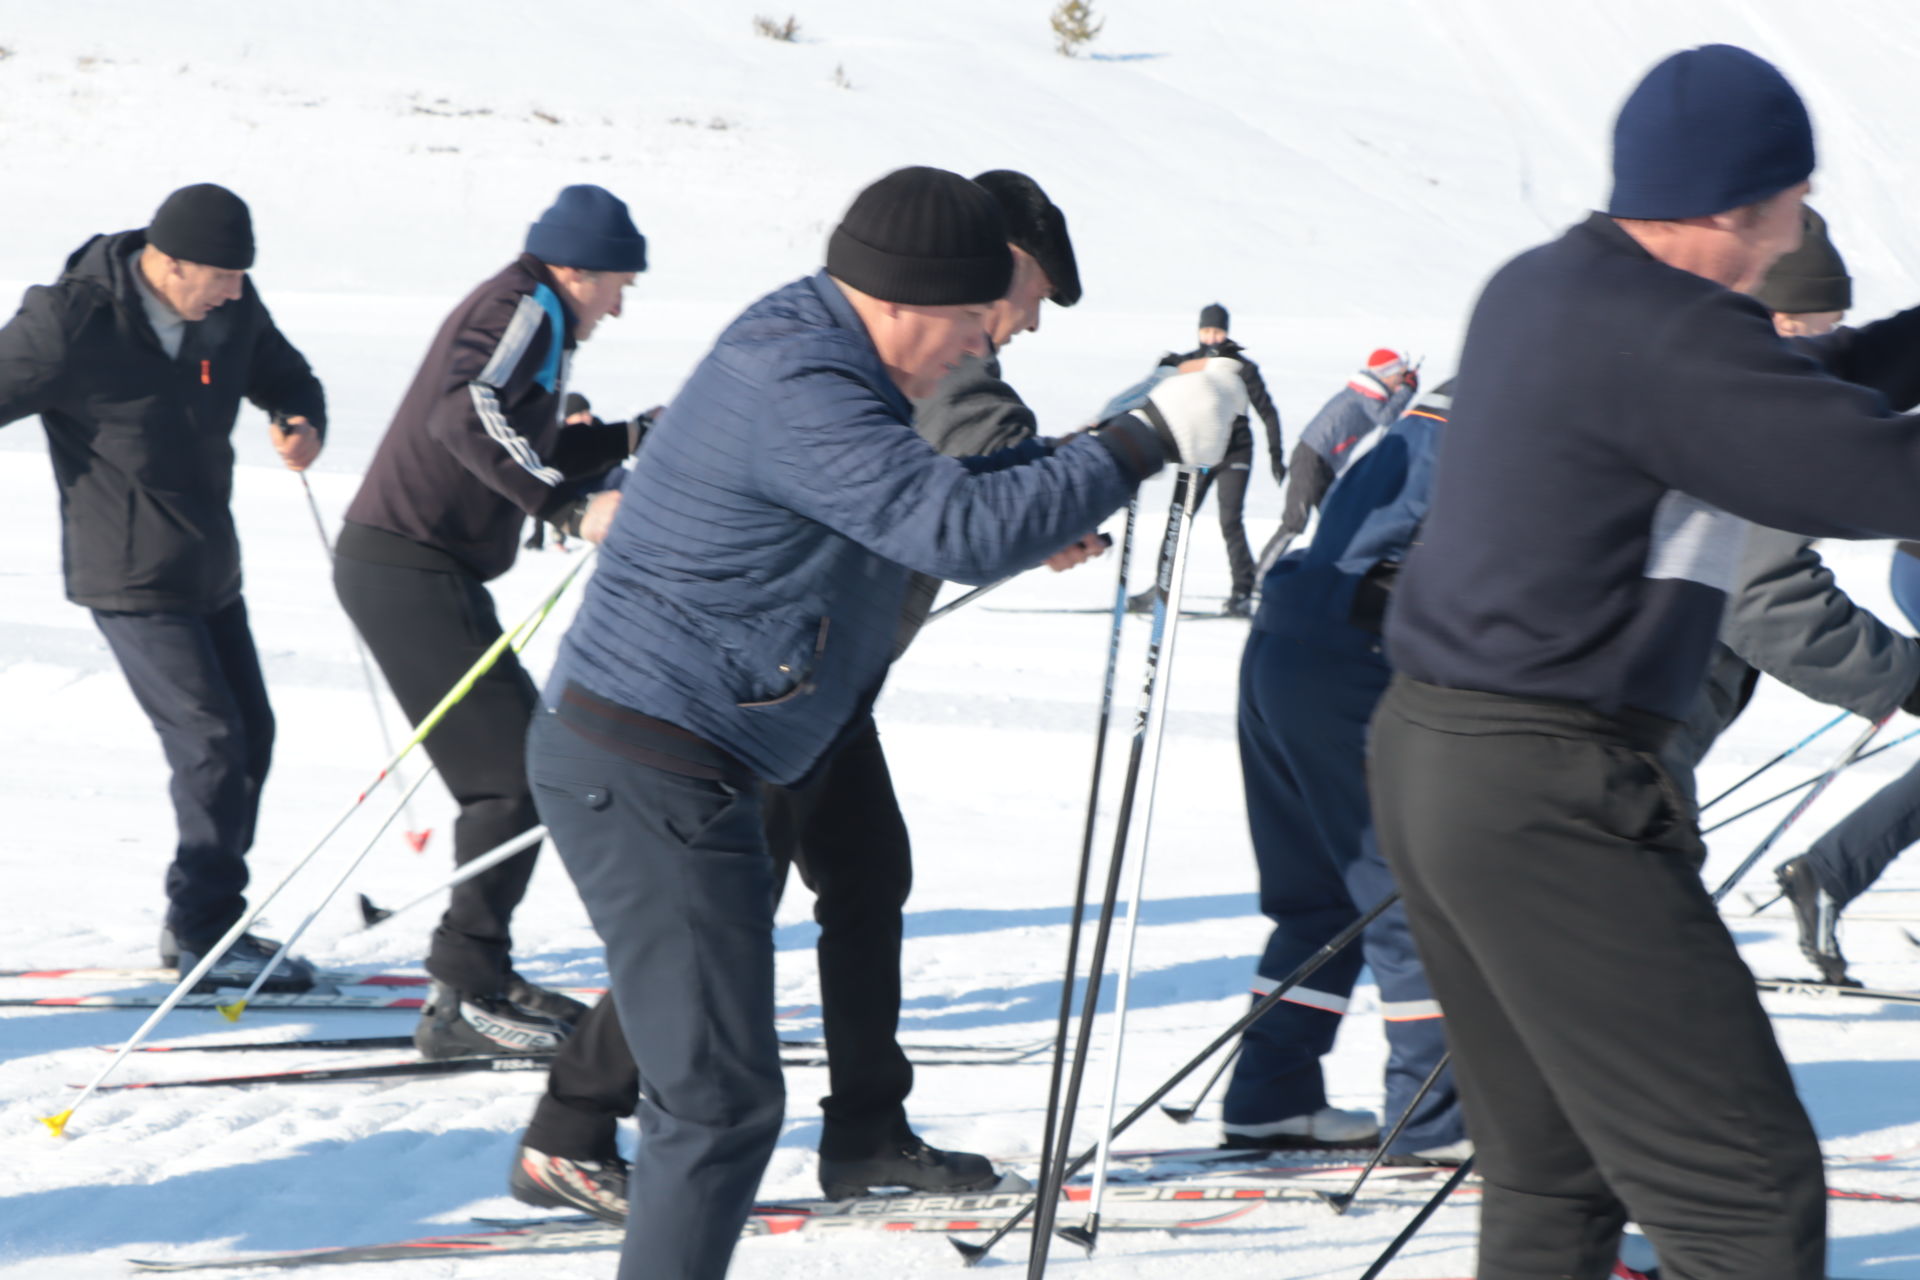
x: 1341, y: 176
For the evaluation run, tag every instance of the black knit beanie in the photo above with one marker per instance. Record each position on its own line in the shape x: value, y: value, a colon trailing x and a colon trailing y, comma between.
x: 1811, y: 278
x: 923, y: 237
x: 1035, y: 224
x: 1213, y: 316
x: 204, y: 223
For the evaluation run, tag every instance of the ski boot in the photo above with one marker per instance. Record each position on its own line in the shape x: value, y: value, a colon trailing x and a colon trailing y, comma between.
x: 1327, y: 1127
x: 1144, y: 601
x: 544, y: 1001
x: 598, y: 1187
x: 910, y: 1166
x: 459, y: 1025
x: 1450, y: 1156
x: 242, y: 964
x: 1818, y: 916
x: 1238, y: 605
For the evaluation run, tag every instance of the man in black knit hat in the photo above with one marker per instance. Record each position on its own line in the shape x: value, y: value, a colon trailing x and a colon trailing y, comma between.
x: 136, y: 362
x: 740, y: 639
x: 844, y: 832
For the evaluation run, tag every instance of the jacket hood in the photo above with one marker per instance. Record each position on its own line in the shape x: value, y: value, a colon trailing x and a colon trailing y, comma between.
x: 102, y: 260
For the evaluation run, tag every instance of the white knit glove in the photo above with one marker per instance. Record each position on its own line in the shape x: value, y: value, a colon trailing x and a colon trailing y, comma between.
x: 1193, y: 413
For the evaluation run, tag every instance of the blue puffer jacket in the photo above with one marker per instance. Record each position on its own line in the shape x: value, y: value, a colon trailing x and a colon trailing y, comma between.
x: 753, y: 580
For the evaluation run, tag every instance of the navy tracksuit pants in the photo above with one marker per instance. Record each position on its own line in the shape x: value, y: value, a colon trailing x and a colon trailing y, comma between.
x: 197, y: 676
x: 1304, y: 708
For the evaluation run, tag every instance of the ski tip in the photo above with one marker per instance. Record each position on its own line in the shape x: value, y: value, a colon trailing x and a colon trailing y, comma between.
x: 57, y: 1123
x: 1179, y: 1115
x: 971, y: 1254
x: 232, y: 1012
x: 371, y: 915
x: 417, y: 841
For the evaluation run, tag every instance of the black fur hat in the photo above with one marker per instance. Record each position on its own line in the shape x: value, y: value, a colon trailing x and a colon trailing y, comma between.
x: 1035, y: 224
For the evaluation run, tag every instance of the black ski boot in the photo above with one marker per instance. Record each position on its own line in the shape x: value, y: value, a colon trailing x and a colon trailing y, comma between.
x: 598, y: 1187
x: 458, y: 1025
x: 1238, y: 605
x: 1144, y: 602
x: 169, y: 949
x: 911, y: 1166
x: 1818, y: 916
x: 545, y: 1001
x: 243, y: 963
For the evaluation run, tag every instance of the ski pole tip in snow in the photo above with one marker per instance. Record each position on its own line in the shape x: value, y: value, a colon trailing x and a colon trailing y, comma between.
x: 371, y: 915
x: 1179, y: 1115
x: 970, y: 1253
x: 232, y: 1012
x: 58, y: 1123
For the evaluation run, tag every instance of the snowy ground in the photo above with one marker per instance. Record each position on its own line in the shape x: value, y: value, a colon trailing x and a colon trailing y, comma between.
x: 1340, y: 176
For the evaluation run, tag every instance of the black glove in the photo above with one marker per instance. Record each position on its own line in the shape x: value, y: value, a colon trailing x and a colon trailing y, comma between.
x: 1413, y: 379
x: 638, y: 426
x: 1279, y: 471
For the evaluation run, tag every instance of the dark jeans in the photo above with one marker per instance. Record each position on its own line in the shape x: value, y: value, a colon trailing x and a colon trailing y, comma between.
x: 1612, y: 1055
x: 844, y: 833
x: 426, y: 629
x: 197, y: 677
x: 1304, y: 709
x: 676, y: 878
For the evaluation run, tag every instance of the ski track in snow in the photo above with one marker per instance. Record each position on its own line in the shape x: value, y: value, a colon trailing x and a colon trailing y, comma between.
x: 1337, y: 183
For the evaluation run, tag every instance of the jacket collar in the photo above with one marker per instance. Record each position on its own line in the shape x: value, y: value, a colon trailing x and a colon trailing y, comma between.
x: 841, y: 312
x: 542, y: 274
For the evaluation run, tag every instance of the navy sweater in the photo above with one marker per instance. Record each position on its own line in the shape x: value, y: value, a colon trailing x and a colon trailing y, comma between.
x: 1613, y: 419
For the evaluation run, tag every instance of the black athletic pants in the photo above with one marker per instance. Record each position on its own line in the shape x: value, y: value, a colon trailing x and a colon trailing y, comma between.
x: 1612, y: 1056
x: 198, y: 678
x: 426, y: 628
x: 1229, y: 481
x: 845, y: 834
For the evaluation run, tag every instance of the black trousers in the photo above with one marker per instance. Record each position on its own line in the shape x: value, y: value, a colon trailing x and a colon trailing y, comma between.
x: 844, y: 833
x: 676, y: 878
x: 1229, y: 482
x: 426, y: 628
x: 1612, y: 1056
x: 198, y: 678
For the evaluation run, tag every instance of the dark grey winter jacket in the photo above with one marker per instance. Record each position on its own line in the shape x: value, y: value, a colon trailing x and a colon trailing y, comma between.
x: 142, y: 442
x: 972, y: 412
x: 1787, y: 617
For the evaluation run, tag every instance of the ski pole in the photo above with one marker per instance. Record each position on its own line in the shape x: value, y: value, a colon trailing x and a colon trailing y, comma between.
x: 58, y: 1121
x: 1088, y: 1235
x: 1802, y: 786
x: 1087, y: 832
x: 372, y: 915
x: 974, y: 1253
x: 1776, y: 760
x: 1343, y: 1200
x: 1051, y: 1175
x: 522, y: 637
x: 1427, y: 1210
x: 1180, y: 1115
x: 417, y: 836
x: 1820, y: 784
x: 947, y: 608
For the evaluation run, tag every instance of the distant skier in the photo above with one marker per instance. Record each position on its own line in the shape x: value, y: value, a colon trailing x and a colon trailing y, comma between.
x: 1373, y: 398
x: 477, y: 446
x: 844, y: 832
x: 1230, y: 478
x: 136, y: 361
x: 1310, y: 679
x: 742, y: 638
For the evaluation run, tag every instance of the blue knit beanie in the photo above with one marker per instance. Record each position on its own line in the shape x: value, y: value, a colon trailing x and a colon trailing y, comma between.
x: 1708, y: 130
x: 588, y: 227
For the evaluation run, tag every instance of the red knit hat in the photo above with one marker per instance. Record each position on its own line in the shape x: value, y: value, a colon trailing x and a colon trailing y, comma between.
x: 1384, y: 363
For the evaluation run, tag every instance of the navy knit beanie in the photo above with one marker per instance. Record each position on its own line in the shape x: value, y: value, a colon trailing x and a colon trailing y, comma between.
x: 204, y: 223
x: 588, y: 227
x: 924, y: 237
x: 1708, y: 130
x: 1213, y: 316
